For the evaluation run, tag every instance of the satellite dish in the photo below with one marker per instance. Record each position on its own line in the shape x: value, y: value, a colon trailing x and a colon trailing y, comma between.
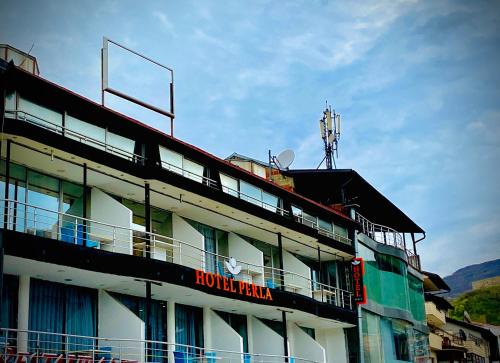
x: 285, y: 159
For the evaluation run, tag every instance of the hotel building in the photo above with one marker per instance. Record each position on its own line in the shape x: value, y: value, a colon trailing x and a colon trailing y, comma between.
x: 122, y: 243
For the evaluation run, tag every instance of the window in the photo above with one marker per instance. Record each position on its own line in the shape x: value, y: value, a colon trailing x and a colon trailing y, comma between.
x: 309, y: 220
x: 10, y: 101
x: 193, y: 170
x: 325, y: 226
x: 390, y: 264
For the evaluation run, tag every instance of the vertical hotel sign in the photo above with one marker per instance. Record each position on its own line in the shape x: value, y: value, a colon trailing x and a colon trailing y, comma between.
x: 358, y: 270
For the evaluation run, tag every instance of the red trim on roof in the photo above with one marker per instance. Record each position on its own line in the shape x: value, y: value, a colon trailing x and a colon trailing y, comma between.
x: 340, y: 214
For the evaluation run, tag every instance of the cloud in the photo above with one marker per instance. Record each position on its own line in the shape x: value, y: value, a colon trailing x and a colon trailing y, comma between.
x: 164, y: 21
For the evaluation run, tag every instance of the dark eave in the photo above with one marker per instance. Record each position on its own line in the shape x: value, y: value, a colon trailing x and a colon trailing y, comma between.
x: 440, y: 302
x: 347, y: 187
x: 433, y: 283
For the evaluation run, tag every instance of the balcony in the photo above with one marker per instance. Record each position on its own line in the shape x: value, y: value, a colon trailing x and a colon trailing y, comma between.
x: 387, y: 236
x: 45, y: 347
x: 101, y: 138
x: 434, y: 316
x: 448, y: 340
x: 186, y: 248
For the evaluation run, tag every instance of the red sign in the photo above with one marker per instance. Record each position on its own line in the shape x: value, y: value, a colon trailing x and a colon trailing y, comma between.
x: 358, y: 270
x: 230, y: 285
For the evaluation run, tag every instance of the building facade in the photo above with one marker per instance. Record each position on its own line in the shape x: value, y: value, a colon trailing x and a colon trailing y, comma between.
x: 122, y: 243
x: 451, y: 340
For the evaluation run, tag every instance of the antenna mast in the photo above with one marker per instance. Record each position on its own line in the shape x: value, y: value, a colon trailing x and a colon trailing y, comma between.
x: 329, y: 128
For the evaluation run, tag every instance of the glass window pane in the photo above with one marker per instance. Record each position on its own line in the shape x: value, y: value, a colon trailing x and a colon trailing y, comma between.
x: 120, y: 145
x: 229, y: 185
x: 325, y: 226
x: 171, y: 160
x: 271, y: 202
x: 40, y: 115
x: 72, y: 199
x: 250, y: 193
x: 193, y: 170
x: 43, y: 192
x: 10, y: 101
x: 341, y: 231
x: 84, y: 132
x: 310, y: 220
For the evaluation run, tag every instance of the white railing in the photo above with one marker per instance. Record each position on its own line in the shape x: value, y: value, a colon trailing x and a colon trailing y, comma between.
x: 387, y: 236
x: 27, y: 346
x: 189, y: 174
x: 314, y: 224
x: 62, y: 130
x: 72, y: 229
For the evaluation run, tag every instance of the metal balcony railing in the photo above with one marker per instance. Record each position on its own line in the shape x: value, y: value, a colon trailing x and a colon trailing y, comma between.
x: 72, y: 229
x: 449, y: 340
x: 27, y: 346
x: 62, y: 130
x: 388, y: 236
x: 85, y: 139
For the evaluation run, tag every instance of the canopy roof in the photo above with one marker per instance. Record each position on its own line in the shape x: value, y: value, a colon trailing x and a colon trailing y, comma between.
x: 347, y: 187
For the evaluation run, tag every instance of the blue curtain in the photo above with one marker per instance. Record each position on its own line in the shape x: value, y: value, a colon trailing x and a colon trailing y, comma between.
x: 158, y: 322
x: 8, y: 315
x: 188, y: 331
x: 210, y: 245
x: 64, y: 309
x: 80, y: 316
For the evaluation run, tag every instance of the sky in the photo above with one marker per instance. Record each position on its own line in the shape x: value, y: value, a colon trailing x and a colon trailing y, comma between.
x: 417, y: 84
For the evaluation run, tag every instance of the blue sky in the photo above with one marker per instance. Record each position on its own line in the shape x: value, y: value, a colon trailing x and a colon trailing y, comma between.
x: 417, y: 85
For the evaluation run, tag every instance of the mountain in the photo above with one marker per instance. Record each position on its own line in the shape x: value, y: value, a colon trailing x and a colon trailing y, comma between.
x: 461, y: 280
x: 481, y: 305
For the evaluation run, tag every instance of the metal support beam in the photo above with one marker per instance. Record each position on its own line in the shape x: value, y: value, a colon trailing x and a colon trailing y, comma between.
x: 285, y: 335
x: 319, y: 273
x: 280, y: 257
x: 7, y: 184
x: 147, y: 213
x: 85, y: 202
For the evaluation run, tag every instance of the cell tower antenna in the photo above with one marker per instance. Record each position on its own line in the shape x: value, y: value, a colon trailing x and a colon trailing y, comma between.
x: 329, y: 128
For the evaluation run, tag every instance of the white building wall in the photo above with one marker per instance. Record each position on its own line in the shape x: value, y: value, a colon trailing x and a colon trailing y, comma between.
x: 188, y: 255
x: 115, y: 320
x: 222, y: 337
x: 241, y: 250
x: 293, y: 281
x: 23, y: 312
x: 105, y: 209
x: 264, y: 340
x: 303, y: 346
x: 333, y: 340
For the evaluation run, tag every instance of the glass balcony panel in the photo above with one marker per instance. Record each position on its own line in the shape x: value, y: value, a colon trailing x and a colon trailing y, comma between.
x: 119, y: 145
x: 229, y: 185
x: 193, y: 170
x: 84, y: 132
x: 271, y: 202
x: 250, y: 193
x: 171, y: 160
x: 41, y: 115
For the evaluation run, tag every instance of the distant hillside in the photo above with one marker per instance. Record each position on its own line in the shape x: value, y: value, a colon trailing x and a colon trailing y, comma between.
x: 481, y: 305
x: 461, y: 280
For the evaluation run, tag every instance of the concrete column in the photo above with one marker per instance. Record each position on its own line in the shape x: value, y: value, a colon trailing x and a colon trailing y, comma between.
x: 250, y: 334
x: 207, y: 328
x: 23, y: 312
x: 171, y: 329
